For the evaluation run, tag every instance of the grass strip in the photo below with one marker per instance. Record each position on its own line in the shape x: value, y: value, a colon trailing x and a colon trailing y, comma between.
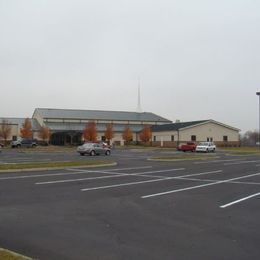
x: 16, y: 166
x: 242, y: 150
x: 182, y: 158
x: 9, y: 255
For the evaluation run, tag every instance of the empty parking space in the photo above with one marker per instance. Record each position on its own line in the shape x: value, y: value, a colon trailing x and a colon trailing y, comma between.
x: 113, y: 207
x: 203, y: 174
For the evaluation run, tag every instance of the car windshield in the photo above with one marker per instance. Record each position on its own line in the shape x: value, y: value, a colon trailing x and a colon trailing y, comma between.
x: 88, y: 145
x: 203, y: 143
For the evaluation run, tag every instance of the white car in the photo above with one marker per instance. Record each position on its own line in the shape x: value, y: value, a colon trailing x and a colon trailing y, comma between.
x: 206, y: 147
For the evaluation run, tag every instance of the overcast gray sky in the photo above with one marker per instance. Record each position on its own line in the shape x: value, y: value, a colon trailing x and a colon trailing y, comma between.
x: 195, y: 59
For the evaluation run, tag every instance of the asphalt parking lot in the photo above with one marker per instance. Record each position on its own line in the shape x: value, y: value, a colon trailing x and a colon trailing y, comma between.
x: 138, y: 209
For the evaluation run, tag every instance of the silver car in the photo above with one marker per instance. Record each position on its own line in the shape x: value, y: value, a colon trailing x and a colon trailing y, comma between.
x: 93, y: 149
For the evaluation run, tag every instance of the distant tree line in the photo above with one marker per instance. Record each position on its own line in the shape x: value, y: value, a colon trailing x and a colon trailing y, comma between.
x: 90, y: 133
x: 250, y: 138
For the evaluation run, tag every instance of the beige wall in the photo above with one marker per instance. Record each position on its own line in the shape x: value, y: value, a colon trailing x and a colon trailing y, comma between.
x: 38, y: 118
x: 202, y: 132
x: 165, y: 136
x: 209, y: 130
x: 116, y: 139
x: 15, y: 131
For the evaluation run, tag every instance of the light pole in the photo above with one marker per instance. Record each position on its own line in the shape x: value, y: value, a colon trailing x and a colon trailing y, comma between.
x: 258, y: 94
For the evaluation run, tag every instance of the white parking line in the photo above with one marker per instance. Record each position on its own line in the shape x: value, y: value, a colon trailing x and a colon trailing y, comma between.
x: 216, y: 161
x: 114, y: 175
x: 38, y: 175
x: 240, y: 200
x: 76, y: 171
x: 117, y: 169
x: 210, y: 180
x: 122, y: 184
x: 197, y: 174
x: 141, y: 182
x: 198, y: 186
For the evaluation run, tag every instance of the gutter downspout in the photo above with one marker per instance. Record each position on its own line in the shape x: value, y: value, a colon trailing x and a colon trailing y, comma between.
x: 178, y: 134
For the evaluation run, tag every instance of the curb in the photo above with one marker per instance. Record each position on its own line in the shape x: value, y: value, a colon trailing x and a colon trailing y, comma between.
x: 58, y: 168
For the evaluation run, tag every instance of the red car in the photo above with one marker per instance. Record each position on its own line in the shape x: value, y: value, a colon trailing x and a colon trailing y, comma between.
x: 189, y: 146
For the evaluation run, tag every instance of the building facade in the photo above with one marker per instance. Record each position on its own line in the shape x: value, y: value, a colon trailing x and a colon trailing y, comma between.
x: 67, y: 125
x: 171, y: 135
x: 16, y: 124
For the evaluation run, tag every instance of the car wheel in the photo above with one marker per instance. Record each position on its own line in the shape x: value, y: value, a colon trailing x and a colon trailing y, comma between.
x: 18, y: 146
x: 82, y: 154
x: 107, y: 152
x: 92, y: 153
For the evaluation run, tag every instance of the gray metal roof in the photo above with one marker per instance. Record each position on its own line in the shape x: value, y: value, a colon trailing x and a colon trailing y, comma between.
x: 176, y: 126
x: 181, y: 125
x: 99, y: 115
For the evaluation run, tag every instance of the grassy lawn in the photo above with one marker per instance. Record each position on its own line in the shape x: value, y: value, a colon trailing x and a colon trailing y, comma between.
x: 8, y: 255
x: 16, y: 166
x: 242, y: 150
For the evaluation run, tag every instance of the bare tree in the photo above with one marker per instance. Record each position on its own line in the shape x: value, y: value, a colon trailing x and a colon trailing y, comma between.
x: 5, y: 130
x: 250, y: 138
x: 45, y: 134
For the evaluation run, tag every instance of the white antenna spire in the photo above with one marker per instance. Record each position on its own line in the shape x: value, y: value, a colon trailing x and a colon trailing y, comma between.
x: 139, y: 109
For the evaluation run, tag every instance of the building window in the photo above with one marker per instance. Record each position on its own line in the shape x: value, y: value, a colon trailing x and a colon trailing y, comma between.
x: 225, y: 138
x: 172, y: 138
x: 193, y: 138
x: 209, y: 139
x: 154, y: 138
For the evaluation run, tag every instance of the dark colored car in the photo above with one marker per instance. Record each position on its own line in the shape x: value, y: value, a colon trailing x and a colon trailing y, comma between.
x: 93, y: 149
x: 24, y: 143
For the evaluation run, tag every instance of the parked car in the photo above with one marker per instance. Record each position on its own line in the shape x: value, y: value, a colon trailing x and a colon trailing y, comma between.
x: 206, y: 147
x: 23, y: 143
x: 189, y: 146
x: 93, y: 149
